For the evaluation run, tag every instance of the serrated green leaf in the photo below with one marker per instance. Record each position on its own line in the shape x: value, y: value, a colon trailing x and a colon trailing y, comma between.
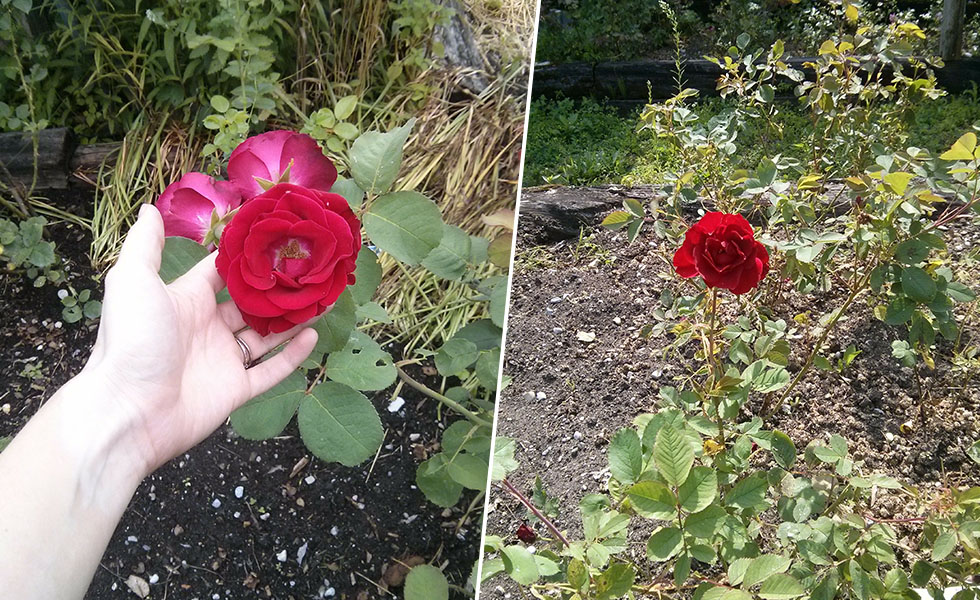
x: 503, y: 457
x: 750, y: 492
x: 339, y: 424
x: 362, y: 364
x: 449, y: 259
x: 407, y: 225
x: 699, y: 490
x: 432, y: 477
x: 653, y: 500
x: 367, y: 276
x: 455, y: 355
x: 664, y: 544
x: 266, y: 415
x: 673, y: 455
x: 351, y: 192
x: 781, y: 587
x: 763, y: 567
x: 520, y: 565
x: 615, y: 581
x: 376, y: 157
x: 469, y: 470
x: 918, y: 285
x: 706, y: 523
x: 334, y: 328
x: 625, y: 456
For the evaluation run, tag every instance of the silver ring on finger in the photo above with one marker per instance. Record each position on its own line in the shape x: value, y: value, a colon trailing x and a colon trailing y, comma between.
x: 246, y: 352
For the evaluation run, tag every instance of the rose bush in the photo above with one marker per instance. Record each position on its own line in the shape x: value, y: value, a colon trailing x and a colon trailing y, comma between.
x: 722, y: 249
x: 191, y: 205
x: 288, y: 255
x: 274, y: 157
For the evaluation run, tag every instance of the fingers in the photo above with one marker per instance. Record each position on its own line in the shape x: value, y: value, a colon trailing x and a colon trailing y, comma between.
x: 144, y: 242
x: 232, y: 317
x: 267, y: 374
x: 259, y: 346
x: 203, y: 271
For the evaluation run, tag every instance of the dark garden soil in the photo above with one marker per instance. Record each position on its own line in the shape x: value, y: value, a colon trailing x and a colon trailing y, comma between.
x: 568, y: 397
x: 234, y: 518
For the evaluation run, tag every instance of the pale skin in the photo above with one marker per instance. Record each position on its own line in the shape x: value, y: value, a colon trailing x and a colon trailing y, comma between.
x: 164, y: 373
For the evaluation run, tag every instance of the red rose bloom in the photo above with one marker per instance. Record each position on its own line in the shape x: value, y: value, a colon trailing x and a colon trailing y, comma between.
x: 722, y: 249
x: 287, y: 255
x: 526, y: 534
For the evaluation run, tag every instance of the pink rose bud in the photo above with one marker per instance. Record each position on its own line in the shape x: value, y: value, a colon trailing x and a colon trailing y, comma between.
x: 191, y: 205
x: 262, y: 161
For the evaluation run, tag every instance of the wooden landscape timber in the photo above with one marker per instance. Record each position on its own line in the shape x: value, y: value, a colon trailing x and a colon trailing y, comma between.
x: 632, y: 83
x: 61, y: 162
x: 551, y: 213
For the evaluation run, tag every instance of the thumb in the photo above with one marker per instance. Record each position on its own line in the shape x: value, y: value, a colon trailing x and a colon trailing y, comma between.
x: 144, y: 242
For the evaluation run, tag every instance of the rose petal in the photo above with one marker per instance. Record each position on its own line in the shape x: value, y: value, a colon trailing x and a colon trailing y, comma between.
x: 310, y: 167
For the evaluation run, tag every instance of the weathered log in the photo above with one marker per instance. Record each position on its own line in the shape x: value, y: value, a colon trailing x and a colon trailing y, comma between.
x: 54, y: 148
x: 558, y: 213
x: 626, y: 83
x: 88, y: 159
x: 553, y: 213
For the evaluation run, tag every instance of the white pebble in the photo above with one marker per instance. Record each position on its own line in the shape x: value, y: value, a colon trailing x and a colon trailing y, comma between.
x: 301, y: 553
x: 239, y: 492
x: 281, y: 557
x: 216, y: 503
x: 889, y: 436
x: 414, y: 437
x: 396, y: 404
x: 577, y: 435
x: 541, y: 395
x: 334, y: 531
x: 154, y: 578
x: 310, y: 480
x: 528, y: 396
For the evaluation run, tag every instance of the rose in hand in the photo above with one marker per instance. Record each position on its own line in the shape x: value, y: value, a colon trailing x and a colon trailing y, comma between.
x: 193, y: 207
x: 722, y: 249
x: 274, y: 157
x: 288, y: 255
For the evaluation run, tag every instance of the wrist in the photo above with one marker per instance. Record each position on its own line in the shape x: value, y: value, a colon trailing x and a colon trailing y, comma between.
x: 94, y: 431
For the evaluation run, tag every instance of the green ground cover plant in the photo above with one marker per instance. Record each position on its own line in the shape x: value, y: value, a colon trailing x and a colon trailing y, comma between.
x: 585, y: 142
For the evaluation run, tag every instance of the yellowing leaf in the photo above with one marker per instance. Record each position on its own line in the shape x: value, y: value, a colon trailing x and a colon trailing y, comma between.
x: 851, y: 12
x: 962, y: 148
x: 828, y: 47
x: 898, y: 182
x: 712, y: 447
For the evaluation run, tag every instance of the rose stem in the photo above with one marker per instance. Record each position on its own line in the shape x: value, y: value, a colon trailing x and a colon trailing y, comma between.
x: 472, y: 416
x: 713, y: 367
x: 534, y: 510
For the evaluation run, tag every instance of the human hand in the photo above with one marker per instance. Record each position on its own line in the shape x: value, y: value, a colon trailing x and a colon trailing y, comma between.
x: 168, y: 355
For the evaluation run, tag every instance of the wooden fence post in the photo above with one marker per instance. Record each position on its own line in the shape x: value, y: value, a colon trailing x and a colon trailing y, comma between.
x: 951, y: 29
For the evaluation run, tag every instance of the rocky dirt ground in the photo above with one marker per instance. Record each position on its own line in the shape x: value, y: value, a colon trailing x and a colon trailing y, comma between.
x: 233, y: 518
x: 568, y: 397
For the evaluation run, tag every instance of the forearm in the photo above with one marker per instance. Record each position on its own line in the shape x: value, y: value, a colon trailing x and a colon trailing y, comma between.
x: 65, y: 481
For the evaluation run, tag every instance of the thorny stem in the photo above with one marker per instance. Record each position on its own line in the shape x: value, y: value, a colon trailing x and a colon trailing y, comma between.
x: 534, y: 510
x: 472, y: 416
